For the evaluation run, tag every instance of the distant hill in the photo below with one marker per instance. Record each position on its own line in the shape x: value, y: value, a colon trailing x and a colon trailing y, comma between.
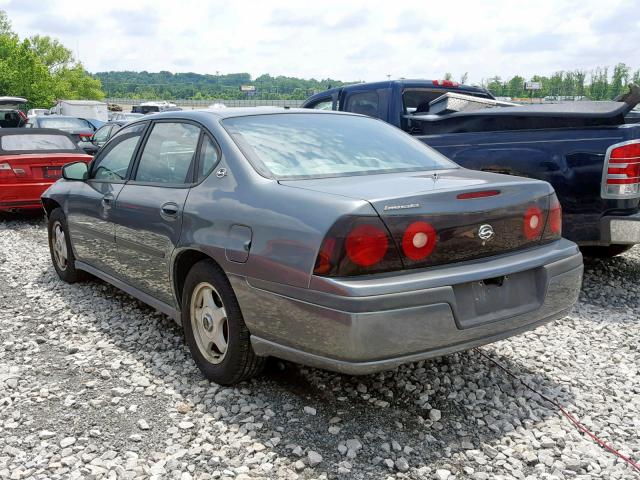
x: 170, y: 86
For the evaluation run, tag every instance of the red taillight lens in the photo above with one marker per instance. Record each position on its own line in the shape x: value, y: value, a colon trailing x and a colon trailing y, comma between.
x: 366, y: 245
x: 419, y: 240
x: 356, y: 246
x: 533, y: 223
x: 6, y: 171
x: 555, y: 216
x: 622, y: 167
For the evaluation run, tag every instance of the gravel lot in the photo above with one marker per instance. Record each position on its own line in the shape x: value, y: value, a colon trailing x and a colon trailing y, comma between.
x: 94, y: 384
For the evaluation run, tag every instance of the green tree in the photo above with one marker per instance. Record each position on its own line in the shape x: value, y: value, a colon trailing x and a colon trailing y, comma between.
x: 51, y: 52
x: 464, y: 78
x: 5, y: 24
x: 619, y: 80
x: 41, y: 69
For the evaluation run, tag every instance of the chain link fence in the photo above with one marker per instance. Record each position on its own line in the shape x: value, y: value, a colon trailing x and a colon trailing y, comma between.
x: 197, y: 104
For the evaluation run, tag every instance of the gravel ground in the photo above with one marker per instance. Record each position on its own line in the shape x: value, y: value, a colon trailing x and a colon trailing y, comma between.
x: 94, y: 384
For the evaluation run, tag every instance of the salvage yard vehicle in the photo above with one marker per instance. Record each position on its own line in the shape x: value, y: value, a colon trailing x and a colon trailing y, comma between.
x: 10, y: 115
x: 584, y: 149
x: 328, y: 239
x: 81, y: 130
x: 30, y: 161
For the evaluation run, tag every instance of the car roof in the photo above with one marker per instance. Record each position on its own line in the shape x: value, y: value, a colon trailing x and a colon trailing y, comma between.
x: 232, y: 112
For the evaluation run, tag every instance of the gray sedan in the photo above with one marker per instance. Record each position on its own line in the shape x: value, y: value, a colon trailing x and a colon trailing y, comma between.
x: 329, y: 239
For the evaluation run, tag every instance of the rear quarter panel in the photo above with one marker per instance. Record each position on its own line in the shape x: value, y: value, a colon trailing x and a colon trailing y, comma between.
x: 287, y: 224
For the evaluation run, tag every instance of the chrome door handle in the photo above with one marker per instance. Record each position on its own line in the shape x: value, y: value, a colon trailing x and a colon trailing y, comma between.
x: 106, y: 200
x: 169, y: 209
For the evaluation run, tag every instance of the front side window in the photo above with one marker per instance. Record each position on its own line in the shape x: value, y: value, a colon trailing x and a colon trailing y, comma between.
x: 37, y: 142
x: 315, y: 145
x: 168, y: 154
x: 364, y: 103
x: 113, y: 164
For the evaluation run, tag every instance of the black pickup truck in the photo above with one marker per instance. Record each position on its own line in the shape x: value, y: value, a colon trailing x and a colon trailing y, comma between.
x: 586, y: 150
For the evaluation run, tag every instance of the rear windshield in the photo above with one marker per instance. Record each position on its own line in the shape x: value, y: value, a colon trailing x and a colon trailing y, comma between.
x: 295, y: 146
x: 36, y: 142
x: 63, y: 123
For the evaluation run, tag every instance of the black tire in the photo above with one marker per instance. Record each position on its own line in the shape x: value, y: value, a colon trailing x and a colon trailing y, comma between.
x: 609, y: 251
x: 66, y: 272
x: 239, y: 362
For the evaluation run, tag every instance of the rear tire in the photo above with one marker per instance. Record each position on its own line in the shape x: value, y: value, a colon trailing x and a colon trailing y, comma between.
x: 214, y: 327
x: 60, y: 248
x: 609, y: 251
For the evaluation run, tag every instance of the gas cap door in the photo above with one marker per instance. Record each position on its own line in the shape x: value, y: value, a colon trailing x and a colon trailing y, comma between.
x: 239, y: 243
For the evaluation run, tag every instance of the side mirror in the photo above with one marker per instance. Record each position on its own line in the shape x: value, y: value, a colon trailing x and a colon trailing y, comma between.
x: 75, y: 171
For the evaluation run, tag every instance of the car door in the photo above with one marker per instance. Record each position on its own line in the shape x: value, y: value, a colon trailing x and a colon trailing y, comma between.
x: 149, y: 209
x: 90, y: 203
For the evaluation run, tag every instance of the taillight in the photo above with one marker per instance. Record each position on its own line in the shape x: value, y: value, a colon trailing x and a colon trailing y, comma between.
x: 6, y: 171
x: 419, y: 240
x: 356, y: 246
x: 23, y: 116
x: 621, y: 176
x: 366, y: 245
x: 532, y: 223
x: 445, y: 83
x: 553, y: 230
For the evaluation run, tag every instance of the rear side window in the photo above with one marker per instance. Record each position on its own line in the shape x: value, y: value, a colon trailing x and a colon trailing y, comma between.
x: 209, y: 156
x: 168, y: 154
x: 364, y: 103
x: 36, y: 142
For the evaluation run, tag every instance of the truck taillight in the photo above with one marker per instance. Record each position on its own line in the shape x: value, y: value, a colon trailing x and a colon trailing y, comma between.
x: 621, y: 176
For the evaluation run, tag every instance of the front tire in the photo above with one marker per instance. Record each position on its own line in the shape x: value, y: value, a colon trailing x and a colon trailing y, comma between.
x: 60, y: 247
x: 609, y: 251
x: 214, y: 327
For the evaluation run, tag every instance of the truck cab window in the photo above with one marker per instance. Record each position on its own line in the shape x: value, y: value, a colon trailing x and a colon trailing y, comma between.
x: 364, y: 103
x: 324, y: 104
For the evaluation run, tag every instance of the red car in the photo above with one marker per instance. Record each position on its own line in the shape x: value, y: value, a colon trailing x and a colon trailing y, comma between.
x: 30, y: 161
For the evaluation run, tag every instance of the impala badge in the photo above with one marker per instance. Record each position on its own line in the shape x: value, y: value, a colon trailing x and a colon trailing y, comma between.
x: 485, y: 232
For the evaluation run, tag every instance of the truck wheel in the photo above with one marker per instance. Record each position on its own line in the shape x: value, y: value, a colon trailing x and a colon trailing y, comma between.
x: 60, y: 248
x: 214, y: 328
x: 609, y: 251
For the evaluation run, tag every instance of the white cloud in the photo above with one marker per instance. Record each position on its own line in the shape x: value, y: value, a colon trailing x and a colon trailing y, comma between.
x: 354, y: 40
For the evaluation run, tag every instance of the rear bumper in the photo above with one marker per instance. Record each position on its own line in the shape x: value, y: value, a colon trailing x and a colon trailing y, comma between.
x: 22, y: 196
x: 376, y: 324
x: 620, y: 230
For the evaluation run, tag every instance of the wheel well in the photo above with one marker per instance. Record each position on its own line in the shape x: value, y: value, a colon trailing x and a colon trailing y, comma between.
x: 183, y: 264
x: 49, y: 205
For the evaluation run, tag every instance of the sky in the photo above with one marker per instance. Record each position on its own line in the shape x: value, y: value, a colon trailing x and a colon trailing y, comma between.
x: 347, y: 40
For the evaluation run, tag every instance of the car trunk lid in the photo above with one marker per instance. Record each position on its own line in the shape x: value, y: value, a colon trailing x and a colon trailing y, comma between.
x: 32, y: 167
x: 467, y: 214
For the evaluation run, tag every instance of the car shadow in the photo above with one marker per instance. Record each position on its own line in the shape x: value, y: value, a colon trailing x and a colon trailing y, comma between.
x: 432, y: 409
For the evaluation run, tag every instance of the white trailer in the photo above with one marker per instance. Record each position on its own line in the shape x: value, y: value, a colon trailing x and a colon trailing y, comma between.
x: 82, y: 109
